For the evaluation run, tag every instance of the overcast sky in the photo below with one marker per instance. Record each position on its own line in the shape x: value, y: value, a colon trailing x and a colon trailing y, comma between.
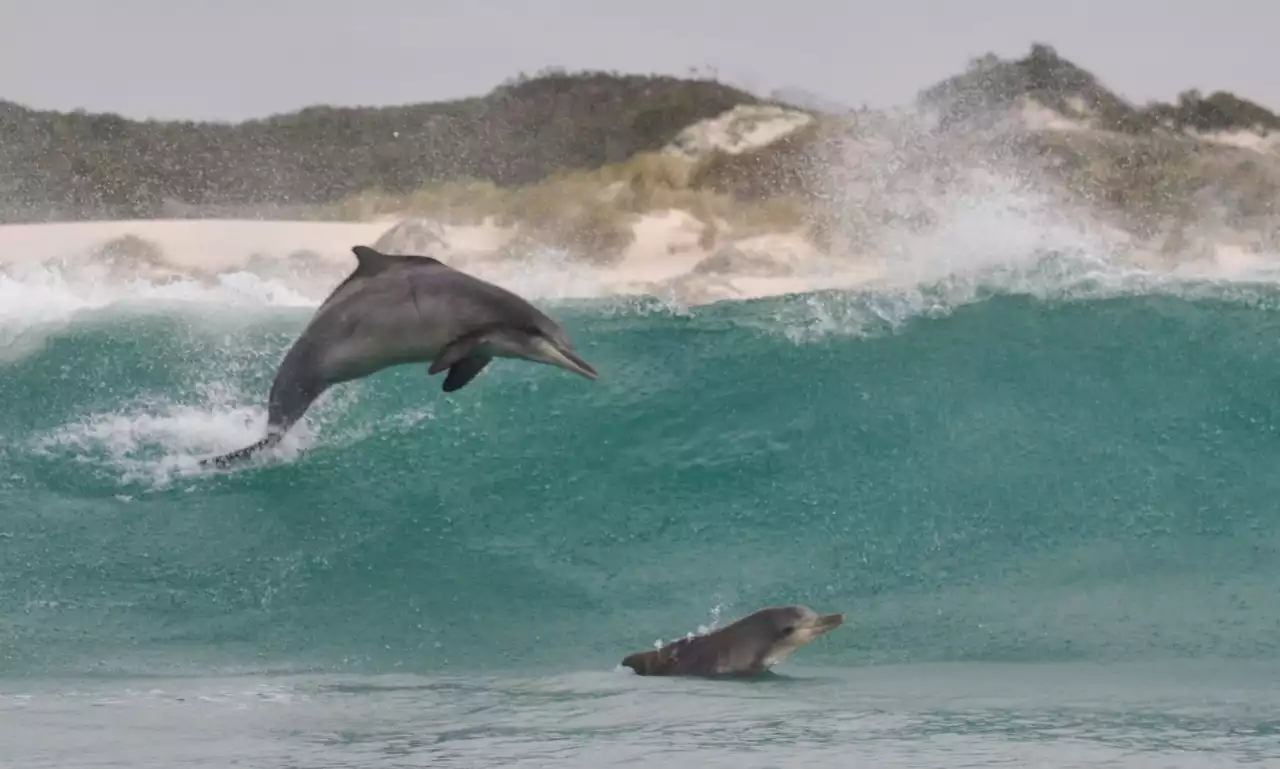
x: 232, y: 59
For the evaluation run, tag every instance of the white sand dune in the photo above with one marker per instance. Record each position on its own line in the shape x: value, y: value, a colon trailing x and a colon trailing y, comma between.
x: 198, y: 245
x: 662, y: 261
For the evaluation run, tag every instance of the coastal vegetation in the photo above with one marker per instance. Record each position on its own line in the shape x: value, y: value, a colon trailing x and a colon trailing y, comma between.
x: 574, y: 159
x: 77, y: 165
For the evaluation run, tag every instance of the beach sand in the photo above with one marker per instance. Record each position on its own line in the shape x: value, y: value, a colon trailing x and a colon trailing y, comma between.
x: 664, y: 260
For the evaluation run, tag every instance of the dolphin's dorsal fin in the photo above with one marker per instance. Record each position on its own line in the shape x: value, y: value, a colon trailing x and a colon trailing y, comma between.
x: 372, y: 261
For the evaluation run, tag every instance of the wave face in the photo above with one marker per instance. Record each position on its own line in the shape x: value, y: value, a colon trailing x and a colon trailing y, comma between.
x: 1046, y: 463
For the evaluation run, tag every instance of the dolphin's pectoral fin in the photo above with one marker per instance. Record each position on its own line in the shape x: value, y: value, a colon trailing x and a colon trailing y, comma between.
x: 464, y: 371
x: 455, y: 351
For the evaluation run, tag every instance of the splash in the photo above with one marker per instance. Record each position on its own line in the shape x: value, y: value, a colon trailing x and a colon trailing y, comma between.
x: 957, y: 230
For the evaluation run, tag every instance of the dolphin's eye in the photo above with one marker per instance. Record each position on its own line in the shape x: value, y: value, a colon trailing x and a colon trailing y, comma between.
x: 788, y: 630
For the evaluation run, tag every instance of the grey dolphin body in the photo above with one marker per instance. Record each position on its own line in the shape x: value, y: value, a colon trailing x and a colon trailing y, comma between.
x: 396, y: 309
x: 747, y: 647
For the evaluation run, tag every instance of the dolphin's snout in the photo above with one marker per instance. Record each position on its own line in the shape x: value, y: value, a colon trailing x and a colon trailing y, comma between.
x: 828, y: 621
x: 583, y: 368
x: 564, y: 357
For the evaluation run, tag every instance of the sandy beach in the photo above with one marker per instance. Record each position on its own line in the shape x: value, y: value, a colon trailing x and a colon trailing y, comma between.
x: 664, y: 259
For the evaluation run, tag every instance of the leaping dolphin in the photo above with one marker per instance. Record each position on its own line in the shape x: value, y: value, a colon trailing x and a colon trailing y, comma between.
x: 395, y: 309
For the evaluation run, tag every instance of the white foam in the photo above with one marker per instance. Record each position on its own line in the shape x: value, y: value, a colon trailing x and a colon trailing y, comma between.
x: 156, y: 440
x: 986, y: 232
x: 1004, y: 238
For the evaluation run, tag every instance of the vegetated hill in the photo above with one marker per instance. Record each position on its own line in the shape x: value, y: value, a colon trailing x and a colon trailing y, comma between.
x: 845, y: 178
x: 75, y: 165
x: 1220, y: 111
x: 572, y: 159
x: 1151, y: 169
x: 991, y: 86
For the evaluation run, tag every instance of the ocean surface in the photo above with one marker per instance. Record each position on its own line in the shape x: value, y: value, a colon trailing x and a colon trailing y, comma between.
x: 1045, y: 494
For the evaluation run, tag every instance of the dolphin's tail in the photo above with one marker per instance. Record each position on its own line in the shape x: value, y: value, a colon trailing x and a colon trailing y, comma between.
x: 295, y: 388
x: 235, y: 456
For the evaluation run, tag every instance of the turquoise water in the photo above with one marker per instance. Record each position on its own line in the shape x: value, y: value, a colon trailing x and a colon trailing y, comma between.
x: 1050, y: 518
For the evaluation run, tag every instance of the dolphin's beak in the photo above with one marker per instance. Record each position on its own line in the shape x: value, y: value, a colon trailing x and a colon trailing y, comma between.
x: 827, y: 622
x: 565, y: 358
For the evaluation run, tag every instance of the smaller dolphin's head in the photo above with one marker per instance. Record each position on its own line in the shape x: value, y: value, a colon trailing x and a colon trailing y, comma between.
x: 791, y: 627
x: 550, y: 346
